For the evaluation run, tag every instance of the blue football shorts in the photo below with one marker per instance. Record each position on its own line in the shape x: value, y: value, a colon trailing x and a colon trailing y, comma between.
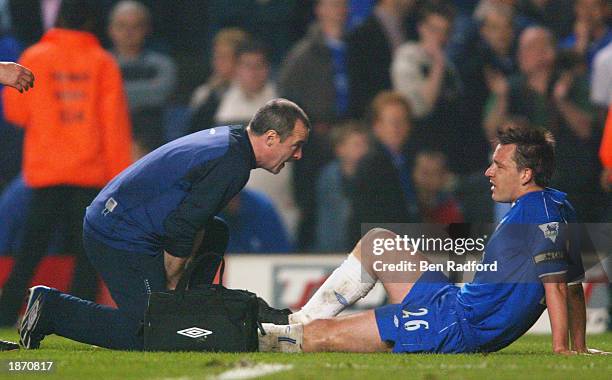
x: 428, y: 319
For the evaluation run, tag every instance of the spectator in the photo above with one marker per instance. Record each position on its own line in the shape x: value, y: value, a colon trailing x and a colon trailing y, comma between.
x: 431, y: 179
x: 559, y: 101
x: 225, y: 45
x: 77, y: 138
x: 254, y: 225
x: 423, y: 74
x: 605, y: 154
x: 555, y: 15
x: 13, y: 206
x: 11, y: 139
x: 15, y: 202
x: 249, y: 91
x: 493, y: 54
x: 30, y: 19
x: 314, y: 75
x: 601, y: 79
x: 591, y: 31
x: 274, y: 22
x: 149, y: 77
x: 359, y: 11
x: 370, y: 49
x: 383, y: 191
x: 350, y: 143
x: 466, y: 35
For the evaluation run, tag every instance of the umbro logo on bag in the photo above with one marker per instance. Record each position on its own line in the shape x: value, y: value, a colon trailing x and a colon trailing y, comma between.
x: 194, y: 332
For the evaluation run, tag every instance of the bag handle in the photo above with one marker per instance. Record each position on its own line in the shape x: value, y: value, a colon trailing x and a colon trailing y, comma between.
x: 221, y: 271
x: 185, y: 280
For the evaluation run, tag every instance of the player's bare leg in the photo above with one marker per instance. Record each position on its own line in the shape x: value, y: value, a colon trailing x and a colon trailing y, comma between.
x: 352, y: 333
x: 396, y: 284
x: 314, y: 329
x: 356, y: 277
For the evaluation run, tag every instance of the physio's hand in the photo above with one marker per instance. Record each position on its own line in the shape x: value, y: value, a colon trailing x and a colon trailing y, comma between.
x: 172, y: 282
x: 174, y: 269
x: 16, y: 76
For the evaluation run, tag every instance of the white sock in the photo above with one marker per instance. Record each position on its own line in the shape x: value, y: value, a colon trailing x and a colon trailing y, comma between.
x: 281, y: 338
x: 345, y: 286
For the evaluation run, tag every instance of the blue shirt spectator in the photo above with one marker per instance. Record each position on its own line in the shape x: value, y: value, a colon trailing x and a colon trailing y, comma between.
x: 254, y: 225
x: 10, y: 137
x: 14, y: 206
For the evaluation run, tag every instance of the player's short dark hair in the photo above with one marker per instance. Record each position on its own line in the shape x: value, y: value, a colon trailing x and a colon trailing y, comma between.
x: 77, y: 14
x: 253, y: 46
x: 535, y: 150
x: 279, y: 115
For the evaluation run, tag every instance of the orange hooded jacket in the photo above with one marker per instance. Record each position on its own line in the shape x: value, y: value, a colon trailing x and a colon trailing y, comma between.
x: 77, y: 127
x: 605, y: 151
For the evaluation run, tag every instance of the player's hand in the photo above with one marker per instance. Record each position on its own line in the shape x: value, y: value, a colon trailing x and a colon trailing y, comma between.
x: 16, y: 76
x: 172, y: 282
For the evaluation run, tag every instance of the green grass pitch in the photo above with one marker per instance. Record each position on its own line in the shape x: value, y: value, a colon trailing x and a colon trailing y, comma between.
x: 528, y: 358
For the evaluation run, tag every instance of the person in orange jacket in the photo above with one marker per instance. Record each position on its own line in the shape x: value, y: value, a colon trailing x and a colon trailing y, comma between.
x: 605, y: 153
x: 77, y: 138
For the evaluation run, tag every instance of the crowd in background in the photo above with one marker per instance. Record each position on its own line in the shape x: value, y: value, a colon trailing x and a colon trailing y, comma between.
x: 404, y: 97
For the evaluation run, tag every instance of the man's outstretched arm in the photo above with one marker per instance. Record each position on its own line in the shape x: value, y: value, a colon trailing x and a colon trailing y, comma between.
x: 577, y: 317
x: 175, y: 266
x: 577, y: 320
x: 567, y: 313
x: 555, y: 288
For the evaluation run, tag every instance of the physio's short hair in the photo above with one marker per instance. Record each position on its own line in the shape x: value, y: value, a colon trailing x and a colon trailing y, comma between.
x: 77, y: 14
x: 279, y: 115
x: 535, y: 150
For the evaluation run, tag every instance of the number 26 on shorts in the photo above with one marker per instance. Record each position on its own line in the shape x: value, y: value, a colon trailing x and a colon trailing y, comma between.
x: 415, y: 324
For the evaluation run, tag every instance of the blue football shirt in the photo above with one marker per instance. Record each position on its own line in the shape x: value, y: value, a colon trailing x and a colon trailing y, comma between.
x: 533, y: 240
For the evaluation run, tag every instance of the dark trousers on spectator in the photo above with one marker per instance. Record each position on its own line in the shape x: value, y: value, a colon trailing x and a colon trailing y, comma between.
x: 49, y: 208
x: 130, y: 277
